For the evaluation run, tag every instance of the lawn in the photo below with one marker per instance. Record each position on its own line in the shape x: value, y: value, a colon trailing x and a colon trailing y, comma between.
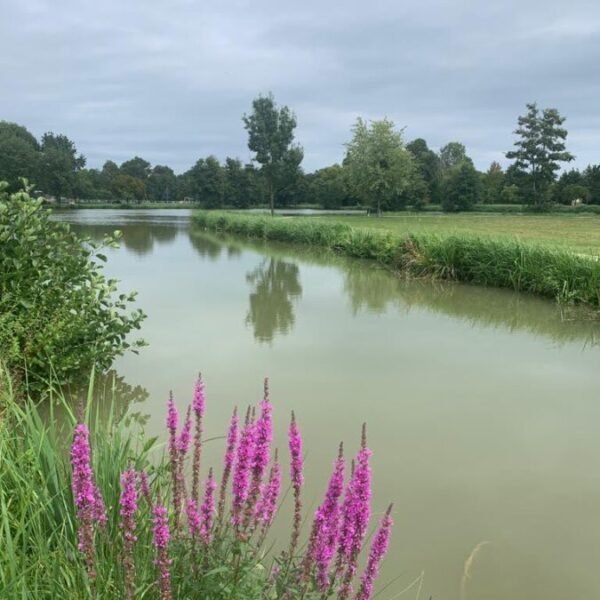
x: 580, y: 234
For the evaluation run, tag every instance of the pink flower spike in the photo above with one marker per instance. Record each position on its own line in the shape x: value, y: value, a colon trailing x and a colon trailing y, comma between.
x: 207, y: 510
x: 378, y: 550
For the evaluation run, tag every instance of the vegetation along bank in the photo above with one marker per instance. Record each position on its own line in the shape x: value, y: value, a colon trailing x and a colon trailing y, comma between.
x: 506, y: 263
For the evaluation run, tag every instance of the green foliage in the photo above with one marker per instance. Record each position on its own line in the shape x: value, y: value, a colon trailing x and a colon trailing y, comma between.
x: 379, y: 167
x: 591, y: 178
x: 530, y: 267
x: 19, y: 154
x: 270, y: 137
x: 540, y: 148
x: 461, y: 188
x: 452, y: 155
x: 57, y: 310
x: 492, y: 184
x: 429, y: 167
x: 59, y: 164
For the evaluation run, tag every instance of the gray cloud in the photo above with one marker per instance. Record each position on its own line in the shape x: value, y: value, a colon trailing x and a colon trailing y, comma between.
x: 169, y: 81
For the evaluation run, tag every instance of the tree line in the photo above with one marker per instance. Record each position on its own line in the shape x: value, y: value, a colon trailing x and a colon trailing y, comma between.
x: 380, y: 169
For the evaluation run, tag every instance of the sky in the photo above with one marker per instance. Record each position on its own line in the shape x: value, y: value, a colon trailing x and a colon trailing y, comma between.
x: 169, y: 80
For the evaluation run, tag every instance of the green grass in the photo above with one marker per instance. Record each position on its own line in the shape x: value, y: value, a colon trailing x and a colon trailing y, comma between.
x: 573, y: 232
x: 501, y: 261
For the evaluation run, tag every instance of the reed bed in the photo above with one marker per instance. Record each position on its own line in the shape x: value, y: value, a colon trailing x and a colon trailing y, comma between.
x: 498, y: 262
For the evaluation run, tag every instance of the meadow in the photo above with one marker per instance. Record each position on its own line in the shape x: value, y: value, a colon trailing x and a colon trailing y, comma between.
x: 578, y: 233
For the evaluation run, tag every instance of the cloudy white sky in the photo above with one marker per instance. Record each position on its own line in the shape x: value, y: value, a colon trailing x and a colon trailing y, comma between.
x: 169, y: 80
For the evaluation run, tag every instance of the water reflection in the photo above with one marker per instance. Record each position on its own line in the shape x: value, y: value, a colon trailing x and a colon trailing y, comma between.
x: 275, y: 287
x: 212, y: 248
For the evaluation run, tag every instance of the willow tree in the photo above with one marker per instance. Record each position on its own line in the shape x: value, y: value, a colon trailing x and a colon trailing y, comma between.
x: 379, y: 167
x: 270, y: 137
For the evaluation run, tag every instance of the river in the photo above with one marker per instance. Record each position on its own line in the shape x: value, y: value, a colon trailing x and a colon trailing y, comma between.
x: 482, y: 405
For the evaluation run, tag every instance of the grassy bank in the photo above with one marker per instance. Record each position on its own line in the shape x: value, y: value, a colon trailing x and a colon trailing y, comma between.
x: 570, y: 232
x: 499, y: 262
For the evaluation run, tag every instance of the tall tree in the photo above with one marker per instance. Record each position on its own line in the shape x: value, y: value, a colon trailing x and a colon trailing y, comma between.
x: 59, y: 163
x: 19, y: 154
x: 452, y: 155
x: 379, y: 167
x: 461, y: 188
x: 428, y: 165
x: 492, y: 184
x: 591, y: 178
x: 162, y: 184
x: 270, y: 137
x: 539, y: 150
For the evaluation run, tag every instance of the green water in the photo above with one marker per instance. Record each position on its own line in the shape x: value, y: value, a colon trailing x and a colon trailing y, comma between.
x: 482, y: 405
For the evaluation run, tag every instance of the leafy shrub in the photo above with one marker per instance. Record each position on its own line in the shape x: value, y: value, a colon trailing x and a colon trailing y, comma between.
x: 57, y: 309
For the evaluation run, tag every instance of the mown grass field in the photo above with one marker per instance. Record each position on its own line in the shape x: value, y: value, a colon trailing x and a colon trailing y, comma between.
x: 580, y: 234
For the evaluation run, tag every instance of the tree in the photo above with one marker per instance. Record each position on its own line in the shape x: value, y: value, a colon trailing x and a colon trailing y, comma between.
x: 378, y: 165
x: 540, y: 148
x: 461, y: 188
x: 162, y: 184
x: 591, y: 178
x: 206, y: 182
x: 568, y: 180
x: 492, y: 183
x: 428, y: 165
x: 136, y: 167
x: 59, y: 163
x: 270, y: 137
x: 452, y: 155
x: 327, y: 187
x: 19, y: 154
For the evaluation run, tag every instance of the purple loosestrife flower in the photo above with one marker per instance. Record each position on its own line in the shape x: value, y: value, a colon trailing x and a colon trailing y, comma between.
x: 161, y: 535
x: 326, y: 524
x: 262, y: 451
x: 199, y: 406
x: 359, y: 514
x: 265, y: 510
x: 297, y: 477
x: 88, y: 503
x: 128, y: 502
x: 241, y: 472
x: 228, y: 461
x: 145, y: 487
x: 193, y: 517
x: 185, y: 437
x: 174, y: 462
x: 378, y: 550
x: 207, y: 510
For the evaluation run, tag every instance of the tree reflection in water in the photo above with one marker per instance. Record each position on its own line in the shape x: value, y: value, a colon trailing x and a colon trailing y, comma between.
x: 276, y: 285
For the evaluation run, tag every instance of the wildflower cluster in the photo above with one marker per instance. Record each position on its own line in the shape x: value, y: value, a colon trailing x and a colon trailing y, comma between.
x: 220, y: 527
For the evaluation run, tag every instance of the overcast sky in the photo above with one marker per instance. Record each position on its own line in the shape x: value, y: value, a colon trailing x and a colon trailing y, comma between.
x: 169, y: 80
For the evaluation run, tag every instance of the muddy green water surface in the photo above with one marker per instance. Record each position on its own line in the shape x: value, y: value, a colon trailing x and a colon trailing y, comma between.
x: 483, y: 406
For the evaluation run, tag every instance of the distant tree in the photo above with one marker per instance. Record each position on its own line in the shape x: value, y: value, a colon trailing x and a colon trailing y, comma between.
x: 379, y: 167
x: 428, y: 166
x: 452, y: 155
x: 327, y: 187
x: 162, y: 184
x: 90, y: 185
x: 591, y: 178
x: 270, y: 137
x: 236, y: 183
x: 127, y: 187
x: 510, y: 194
x: 59, y: 162
x: 206, y: 182
x: 461, y: 188
x: 540, y: 148
x: 19, y: 155
x: 136, y: 167
x: 567, y: 179
x: 492, y: 184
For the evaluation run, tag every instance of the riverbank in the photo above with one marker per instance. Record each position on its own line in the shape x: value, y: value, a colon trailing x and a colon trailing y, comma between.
x: 497, y: 262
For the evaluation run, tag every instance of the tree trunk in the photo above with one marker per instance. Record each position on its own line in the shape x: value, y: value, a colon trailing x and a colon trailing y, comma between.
x: 272, y: 199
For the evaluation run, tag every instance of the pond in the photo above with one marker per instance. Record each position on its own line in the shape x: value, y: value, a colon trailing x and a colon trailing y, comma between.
x: 482, y: 405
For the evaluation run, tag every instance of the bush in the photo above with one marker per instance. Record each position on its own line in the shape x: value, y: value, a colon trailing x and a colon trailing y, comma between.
x: 59, y: 314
